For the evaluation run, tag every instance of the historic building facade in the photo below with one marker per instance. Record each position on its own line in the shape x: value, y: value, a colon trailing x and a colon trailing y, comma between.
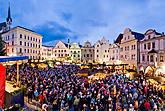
x: 152, y: 49
x: 87, y: 52
x: 23, y: 42
x: 61, y: 51
x: 47, y: 53
x: 102, y: 51
x: 129, y: 48
x: 114, y: 51
x: 75, y: 52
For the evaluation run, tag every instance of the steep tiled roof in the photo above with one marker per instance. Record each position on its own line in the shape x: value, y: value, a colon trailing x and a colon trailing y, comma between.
x: 137, y: 35
x: 119, y: 38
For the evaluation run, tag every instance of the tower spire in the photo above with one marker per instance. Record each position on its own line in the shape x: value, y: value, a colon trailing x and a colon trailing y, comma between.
x: 9, y: 19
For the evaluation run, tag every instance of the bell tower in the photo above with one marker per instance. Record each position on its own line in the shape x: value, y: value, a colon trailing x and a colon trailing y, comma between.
x: 9, y: 19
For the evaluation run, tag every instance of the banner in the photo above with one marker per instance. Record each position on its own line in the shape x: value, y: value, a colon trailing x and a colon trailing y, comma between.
x: 2, y: 84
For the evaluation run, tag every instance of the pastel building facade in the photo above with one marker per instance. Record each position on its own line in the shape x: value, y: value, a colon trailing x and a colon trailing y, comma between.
x: 75, y: 52
x: 102, y: 51
x: 60, y: 51
x: 47, y: 52
x: 87, y: 52
x: 130, y: 48
x: 152, y: 49
x: 114, y: 51
x: 23, y: 42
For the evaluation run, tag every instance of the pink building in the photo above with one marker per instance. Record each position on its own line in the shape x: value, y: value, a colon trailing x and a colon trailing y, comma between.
x: 152, y: 50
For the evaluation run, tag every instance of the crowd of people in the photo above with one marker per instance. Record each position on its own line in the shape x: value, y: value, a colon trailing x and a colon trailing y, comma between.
x: 60, y: 89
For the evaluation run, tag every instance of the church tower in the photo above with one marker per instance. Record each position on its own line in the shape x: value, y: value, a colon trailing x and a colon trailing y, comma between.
x: 9, y: 19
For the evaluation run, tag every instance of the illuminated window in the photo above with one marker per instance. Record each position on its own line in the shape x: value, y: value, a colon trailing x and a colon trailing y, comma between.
x: 161, y: 58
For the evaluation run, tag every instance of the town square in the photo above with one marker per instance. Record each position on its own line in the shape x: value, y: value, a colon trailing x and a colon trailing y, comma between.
x: 82, y: 55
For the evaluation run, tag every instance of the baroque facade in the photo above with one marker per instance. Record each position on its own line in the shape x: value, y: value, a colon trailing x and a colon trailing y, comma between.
x: 152, y: 49
x: 87, y: 52
x: 129, y: 47
x: 102, y: 51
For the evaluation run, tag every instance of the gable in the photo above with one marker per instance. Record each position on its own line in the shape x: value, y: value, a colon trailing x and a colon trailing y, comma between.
x: 60, y: 45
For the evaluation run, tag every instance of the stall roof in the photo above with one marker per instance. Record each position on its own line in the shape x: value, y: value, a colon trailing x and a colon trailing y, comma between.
x: 12, y: 58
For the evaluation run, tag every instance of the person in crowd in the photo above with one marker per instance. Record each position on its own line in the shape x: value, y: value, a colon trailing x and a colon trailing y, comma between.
x: 64, y: 90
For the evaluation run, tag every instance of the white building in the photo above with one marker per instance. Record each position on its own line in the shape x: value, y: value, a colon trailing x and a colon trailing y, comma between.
x: 47, y: 52
x: 152, y: 50
x: 75, y: 52
x: 114, y: 51
x: 87, y: 52
x: 23, y: 42
x: 102, y: 51
x: 60, y: 51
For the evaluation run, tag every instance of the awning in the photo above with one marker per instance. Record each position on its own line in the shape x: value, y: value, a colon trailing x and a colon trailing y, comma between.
x: 13, y: 58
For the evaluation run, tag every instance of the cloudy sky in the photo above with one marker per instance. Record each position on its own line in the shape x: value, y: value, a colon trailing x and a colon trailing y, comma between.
x: 82, y: 20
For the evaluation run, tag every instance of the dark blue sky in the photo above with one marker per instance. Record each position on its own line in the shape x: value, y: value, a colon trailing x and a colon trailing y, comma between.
x: 82, y: 20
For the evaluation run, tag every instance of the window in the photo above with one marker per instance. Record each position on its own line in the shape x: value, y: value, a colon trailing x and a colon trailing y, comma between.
x: 58, y: 55
x: 12, y: 49
x: 107, y: 56
x: 12, y: 36
x: 104, y: 56
x: 39, y: 40
x: 143, y: 57
x: 36, y: 45
x: 20, y: 35
x: 12, y: 42
x: 31, y: 38
x: 20, y: 50
x: 144, y: 46
x: 161, y: 58
x: 74, y: 55
x: 105, y: 51
x: 78, y: 55
x: 24, y: 43
x: 25, y: 50
x: 97, y: 55
x: 151, y: 58
x: 149, y: 36
x: 20, y: 42
x: 55, y: 51
x: 125, y: 48
x: 149, y: 46
x: 89, y: 50
x: 61, y: 55
x: 28, y: 50
x: 78, y: 51
x: 97, y: 45
x: 87, y: 55
x: 91, y: 55
x: 64, y: 50
x: 128, y: 48
x: 121, y: 49
x: 54, y: 54
x: 31, y: 44
x: 84, y: 55
x: 153, y: 45
x: 58, y: 50
x: 28, y: 37
x: 25, y: 36
x: 97, y: 50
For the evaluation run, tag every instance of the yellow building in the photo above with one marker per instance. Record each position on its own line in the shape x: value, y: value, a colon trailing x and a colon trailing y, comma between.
x: 75, y: 52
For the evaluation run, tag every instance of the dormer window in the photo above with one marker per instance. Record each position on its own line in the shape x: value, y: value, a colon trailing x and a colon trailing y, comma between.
x: 149, y: 36
x: 128, y: 37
